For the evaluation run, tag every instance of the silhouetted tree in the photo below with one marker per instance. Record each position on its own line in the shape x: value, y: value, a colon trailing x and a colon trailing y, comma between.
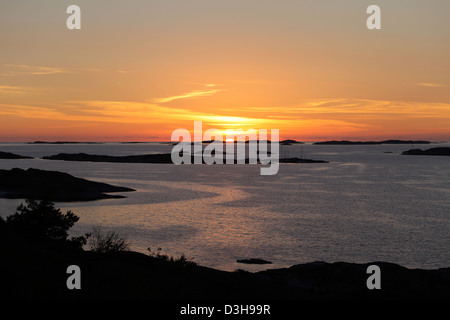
x: 41, y: 221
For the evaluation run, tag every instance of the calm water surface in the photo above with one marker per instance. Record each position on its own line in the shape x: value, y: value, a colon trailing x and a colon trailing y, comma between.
x: 365, y: 205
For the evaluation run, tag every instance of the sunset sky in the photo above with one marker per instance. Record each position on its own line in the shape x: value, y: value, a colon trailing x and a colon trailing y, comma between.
x: 139, y: 69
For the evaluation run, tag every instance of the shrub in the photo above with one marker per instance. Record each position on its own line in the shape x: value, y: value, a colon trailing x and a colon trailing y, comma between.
x: 181, y: 261
x: 2, y: 222
x: 107, y: 243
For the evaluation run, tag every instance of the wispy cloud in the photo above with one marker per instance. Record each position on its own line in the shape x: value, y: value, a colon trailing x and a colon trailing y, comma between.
x: 432, y: 85
x: 208, y: 85
x: 356, y: 107
x: 14, y: 90
x: 35, y: 70
x: 25, y: 69
x: 192, y: 94
x: 188, y: 95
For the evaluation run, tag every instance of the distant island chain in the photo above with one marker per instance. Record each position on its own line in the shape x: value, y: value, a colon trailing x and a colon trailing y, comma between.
x: 214, y: 152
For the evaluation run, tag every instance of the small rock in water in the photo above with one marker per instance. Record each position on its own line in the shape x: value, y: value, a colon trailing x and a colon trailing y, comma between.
x: 254, y: 261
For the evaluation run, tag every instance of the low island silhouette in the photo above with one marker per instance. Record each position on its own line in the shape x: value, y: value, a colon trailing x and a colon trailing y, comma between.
x: 13, y: 156
x: 346, y: 142
x: 54, y: 186
x: 152, y: 158
x: 440, y: 151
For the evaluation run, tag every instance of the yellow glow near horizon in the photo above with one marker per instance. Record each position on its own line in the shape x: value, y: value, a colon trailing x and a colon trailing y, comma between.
x: 310, y: 69
x: 312, y: 119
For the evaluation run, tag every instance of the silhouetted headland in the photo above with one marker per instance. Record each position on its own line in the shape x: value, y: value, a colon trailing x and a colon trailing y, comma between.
x: 53, y: 186
x: 442, y: 151
x: 346, y: 142
x: 8, y: 155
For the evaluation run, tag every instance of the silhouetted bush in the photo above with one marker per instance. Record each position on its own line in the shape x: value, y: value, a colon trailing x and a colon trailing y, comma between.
x: 42, y: 222
x: 182, y: 261
x: 109, y: 242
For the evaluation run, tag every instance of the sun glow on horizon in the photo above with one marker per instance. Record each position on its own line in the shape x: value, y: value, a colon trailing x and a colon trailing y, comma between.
x: 252, y: 68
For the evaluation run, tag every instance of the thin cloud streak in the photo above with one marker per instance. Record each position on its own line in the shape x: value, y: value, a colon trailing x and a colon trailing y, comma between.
x: 358, y: 107
x: 36, y: 70
x: 432, y: 85
x: 24, y: 69
x: 188, y: 95
x: 14, y: 90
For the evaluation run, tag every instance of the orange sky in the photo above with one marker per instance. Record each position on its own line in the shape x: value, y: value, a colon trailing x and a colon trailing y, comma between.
x: 138, y: 70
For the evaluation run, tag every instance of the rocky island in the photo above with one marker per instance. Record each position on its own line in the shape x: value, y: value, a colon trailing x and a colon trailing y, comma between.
x: 442, y: 151
x: 289, y: 142
x: 346, y: 142
x: 253, y: 261
x: 53, y: 186
x: 146, y: 158
x: 301, y: 160
x: 150, y: 158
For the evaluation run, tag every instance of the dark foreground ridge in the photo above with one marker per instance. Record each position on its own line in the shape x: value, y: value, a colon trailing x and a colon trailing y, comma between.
x: 33, y: 272
x: 8, y: 155
x: 443, y: 151
x: 150, y: 158
x: 346, y: 142
x: 36, y: 252
x: 52, y: 185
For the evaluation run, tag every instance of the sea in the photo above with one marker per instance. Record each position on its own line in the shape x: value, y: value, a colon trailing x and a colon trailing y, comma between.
x: 368, y: 204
